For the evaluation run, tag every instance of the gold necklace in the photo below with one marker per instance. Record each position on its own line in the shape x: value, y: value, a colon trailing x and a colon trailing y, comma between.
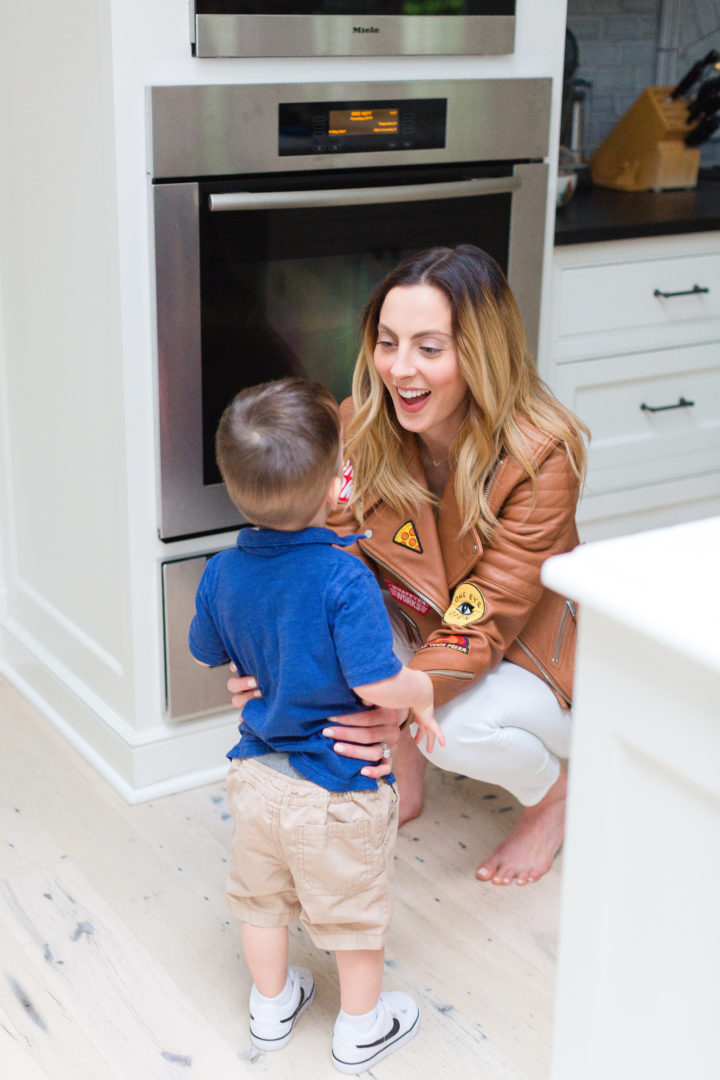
x: 426, y: 453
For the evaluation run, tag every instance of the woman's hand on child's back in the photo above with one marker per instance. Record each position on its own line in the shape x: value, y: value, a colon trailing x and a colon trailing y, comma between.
x: 370, y: 735
x: 243, y: 689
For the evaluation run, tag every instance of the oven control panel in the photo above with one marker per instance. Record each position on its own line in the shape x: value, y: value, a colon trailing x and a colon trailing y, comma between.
x: 351, y: 127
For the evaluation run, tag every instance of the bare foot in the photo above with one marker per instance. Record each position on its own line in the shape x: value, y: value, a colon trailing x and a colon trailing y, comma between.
x: 529, y: 851
x: 409, y: 767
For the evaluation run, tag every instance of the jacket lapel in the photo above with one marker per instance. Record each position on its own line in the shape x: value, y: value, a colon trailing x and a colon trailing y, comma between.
x: 408, y: 545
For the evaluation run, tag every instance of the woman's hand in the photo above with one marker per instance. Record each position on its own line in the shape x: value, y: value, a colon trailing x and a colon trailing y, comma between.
x: 243, y: 688
x: 374, y: 734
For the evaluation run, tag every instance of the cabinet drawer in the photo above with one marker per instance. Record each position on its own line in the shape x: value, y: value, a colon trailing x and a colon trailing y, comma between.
x: 631, y: 444
x: 653, y: 506
x: 624, y: 296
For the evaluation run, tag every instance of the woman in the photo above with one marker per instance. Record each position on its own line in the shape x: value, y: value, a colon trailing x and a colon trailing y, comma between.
x: 465, y: 473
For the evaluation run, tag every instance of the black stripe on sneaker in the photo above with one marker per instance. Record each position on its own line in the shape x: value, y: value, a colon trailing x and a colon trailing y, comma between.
x: 299, y: 1007
x: 393, y: 1031
x: 290, y: 1019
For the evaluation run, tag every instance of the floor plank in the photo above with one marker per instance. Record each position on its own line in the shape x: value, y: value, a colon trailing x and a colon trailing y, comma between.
x: 137, y: 1020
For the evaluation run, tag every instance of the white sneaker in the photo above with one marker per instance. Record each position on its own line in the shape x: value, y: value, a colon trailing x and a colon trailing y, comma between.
x: 272, y: 1025
x: 397, y: 1022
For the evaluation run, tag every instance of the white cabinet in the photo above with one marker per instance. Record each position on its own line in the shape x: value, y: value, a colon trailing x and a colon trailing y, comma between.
x: 637, y: 987
x: 635, y: 346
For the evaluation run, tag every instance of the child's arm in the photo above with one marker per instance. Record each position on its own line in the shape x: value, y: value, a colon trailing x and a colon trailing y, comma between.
x: 408, y: 689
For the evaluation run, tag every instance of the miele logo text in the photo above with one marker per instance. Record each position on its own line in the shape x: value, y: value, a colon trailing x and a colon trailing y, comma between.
x: 366, y: 29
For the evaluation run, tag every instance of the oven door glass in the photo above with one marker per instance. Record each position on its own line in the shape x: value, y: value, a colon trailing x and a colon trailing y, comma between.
x: 281, y: 290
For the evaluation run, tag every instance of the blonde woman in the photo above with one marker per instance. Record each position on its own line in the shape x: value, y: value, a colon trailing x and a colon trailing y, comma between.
x: 464, y: 472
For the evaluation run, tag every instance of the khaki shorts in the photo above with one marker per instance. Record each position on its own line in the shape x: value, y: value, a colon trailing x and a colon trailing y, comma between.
x: 301, y: 852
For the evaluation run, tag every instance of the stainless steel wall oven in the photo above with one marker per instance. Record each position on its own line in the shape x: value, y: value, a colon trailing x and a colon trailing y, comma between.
x: 278, y: 207
x: 351, y: 27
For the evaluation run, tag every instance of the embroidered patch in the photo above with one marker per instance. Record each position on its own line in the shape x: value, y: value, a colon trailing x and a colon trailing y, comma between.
x: 407, y: 537
x: 409, y: 599
x: 347, y: 482
x: 467, y: 605
x: 452, y: 641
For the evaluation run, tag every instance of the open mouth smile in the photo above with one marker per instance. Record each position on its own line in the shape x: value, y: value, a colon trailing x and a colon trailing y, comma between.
x: 412, y: 400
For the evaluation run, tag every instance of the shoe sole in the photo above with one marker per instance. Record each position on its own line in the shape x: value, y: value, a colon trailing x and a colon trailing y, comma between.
x: 283, y: 1040
x: 353, y: 1067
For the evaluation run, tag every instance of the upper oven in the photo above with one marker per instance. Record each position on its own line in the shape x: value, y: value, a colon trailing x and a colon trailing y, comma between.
x: 277, y: 209
x: 351, y: 27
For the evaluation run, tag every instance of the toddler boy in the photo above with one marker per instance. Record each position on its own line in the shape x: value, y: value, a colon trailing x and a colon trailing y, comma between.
x: 313, y: 835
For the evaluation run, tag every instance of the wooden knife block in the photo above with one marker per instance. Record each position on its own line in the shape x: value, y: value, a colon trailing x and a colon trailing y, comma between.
x: 645, y: 151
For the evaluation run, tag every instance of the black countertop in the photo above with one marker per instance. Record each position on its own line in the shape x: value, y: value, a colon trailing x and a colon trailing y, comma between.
x: 601, y: 214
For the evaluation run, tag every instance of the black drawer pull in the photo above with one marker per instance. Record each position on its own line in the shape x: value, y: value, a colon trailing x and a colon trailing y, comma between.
x: 696, y: 289
x: 681, y: 404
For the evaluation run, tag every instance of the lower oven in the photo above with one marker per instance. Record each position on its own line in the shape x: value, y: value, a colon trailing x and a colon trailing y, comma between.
x: 277, y: 209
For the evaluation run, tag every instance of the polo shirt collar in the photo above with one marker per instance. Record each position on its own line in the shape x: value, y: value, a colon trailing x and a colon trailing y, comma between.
x: 256, y: 538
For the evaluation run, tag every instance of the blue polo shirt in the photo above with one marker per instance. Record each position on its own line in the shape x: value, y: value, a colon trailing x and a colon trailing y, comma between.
x: 308, y: 621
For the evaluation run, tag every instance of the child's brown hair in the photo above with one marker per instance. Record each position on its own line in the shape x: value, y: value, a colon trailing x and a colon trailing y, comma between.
x: 278, y: 448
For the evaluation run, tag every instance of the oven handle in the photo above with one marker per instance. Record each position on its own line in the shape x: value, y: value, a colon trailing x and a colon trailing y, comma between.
x: 284, y: 200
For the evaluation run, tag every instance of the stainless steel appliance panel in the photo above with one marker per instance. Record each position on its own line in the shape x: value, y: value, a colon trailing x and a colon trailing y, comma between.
x: 191, y: 690
x: 228, y: 130
x: 353, y: 35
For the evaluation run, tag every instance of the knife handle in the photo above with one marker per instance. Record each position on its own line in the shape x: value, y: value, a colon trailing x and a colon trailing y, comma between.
x: 706, y: 100
x: 694, y: 74
x: 703, y: 131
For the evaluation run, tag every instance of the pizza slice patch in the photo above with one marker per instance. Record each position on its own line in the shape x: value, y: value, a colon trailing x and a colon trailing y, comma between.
x: 406, y: 536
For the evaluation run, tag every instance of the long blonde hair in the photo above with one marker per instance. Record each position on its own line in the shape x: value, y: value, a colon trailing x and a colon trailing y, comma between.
x: 504, y: 389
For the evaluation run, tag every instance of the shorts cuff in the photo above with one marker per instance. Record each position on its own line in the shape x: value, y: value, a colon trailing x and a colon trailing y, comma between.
x: 336, y: 941
x: 257, y: 917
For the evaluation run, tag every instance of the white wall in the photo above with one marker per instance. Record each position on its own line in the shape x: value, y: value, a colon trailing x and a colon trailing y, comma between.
x: 63, y: 523
x: 82, y: 632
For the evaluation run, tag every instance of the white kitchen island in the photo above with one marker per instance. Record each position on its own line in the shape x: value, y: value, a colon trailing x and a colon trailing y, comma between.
x: 638, y: 988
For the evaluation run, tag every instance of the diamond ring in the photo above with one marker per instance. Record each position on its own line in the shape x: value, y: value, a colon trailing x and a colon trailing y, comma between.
x: 386, y: 753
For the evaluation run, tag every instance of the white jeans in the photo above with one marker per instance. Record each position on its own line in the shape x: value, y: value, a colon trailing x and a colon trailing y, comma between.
x: 507, y: 729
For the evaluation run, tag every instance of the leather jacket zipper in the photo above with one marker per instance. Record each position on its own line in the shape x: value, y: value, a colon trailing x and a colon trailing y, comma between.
x: 450, y: 674
x: 543, y: 671
x: 568, y: 610
x: 405, y: 581
x: 491, y: 477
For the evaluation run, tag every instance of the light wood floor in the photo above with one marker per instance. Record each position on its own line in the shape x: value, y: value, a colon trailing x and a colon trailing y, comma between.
x: 120, y: 959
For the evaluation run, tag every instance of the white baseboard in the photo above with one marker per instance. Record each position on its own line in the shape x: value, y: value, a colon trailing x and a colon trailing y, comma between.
x: 167, y: 760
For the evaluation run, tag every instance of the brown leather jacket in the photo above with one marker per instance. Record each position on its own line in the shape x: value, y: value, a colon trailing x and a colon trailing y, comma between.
x: 472, y: 604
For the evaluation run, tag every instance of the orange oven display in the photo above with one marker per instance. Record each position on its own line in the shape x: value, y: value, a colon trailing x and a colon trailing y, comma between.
x: 363, y: 122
